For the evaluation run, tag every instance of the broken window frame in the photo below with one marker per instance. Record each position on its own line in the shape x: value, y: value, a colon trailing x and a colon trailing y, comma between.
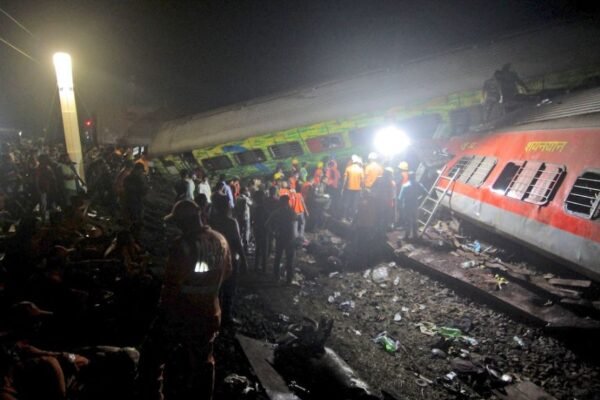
x: 319, y: 144
x: 208, y: 163
x: 473, y: 170
x: 529, y: 178
x: 257, y: 154
x: 594, y: 207
x: 293, y: 145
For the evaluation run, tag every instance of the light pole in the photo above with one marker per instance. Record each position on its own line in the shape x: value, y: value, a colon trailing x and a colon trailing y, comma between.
x: 64, y: 78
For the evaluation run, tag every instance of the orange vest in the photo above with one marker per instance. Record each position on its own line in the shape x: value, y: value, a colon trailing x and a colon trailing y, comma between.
x: 354, y: 177
x: 297, y: 203
x: 372, y: 172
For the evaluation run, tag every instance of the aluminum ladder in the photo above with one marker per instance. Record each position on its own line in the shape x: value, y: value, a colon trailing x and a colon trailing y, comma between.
x: 432, y: 201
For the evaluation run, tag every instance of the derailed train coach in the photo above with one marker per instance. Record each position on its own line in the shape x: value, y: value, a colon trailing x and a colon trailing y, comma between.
x: 433, y: 99
x: 536, y: 179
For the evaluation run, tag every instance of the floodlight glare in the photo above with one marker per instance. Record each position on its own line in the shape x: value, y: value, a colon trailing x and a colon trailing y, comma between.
x: 391, y: 140
x: 64, y: 73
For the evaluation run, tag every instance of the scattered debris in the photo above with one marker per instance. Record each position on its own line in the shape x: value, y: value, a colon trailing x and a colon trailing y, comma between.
x: 380, y: 274
x: 390, y: 345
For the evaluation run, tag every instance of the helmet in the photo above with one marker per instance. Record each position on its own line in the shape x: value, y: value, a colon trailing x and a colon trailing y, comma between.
x: 183, y: 210
x: 355, y: 159
x: 373, y: 156
x: 320, y: 164
x: 403, y: 166
x: 294, y: 161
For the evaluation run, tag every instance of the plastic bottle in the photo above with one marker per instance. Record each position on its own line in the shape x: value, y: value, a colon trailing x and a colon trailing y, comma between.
x: 449, y: 332
x: 469, y: 264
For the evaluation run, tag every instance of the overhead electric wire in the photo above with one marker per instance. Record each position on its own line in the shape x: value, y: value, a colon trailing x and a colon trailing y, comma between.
x: 15, y: 48
x: 20, y: 25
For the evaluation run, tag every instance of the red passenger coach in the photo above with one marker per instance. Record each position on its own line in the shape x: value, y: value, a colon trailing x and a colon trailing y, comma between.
x: 537, y: 182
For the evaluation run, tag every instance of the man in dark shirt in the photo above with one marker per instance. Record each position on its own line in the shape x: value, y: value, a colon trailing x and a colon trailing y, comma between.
x: 282, y: 224
x: 222, y: 221
x: 135, y: 190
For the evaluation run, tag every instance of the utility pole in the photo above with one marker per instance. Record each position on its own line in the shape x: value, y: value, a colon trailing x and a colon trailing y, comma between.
x: 64, y: 78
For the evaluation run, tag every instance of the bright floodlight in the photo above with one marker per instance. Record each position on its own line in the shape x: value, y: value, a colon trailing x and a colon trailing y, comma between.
x: 391, y: 140
x: 64, y: 73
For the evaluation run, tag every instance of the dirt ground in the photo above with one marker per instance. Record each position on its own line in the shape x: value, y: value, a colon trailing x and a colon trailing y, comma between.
x: 266, y: 308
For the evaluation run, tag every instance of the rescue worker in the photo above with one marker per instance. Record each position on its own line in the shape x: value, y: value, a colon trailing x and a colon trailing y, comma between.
x: 352, y: 186
x: 284, y: 189
x: 282, y: 223
x: 505, y: 89
x: 373, y: 170
x: 304, y: 172
x: 403, y: 180
x: 299, y: 206
x: 222, y: 221
x: 332, y: 188
x: 295, y: 167
x: 318, y: 175
x: 189, y: 312
x: 279, y: 174
x: 384, y: 195
x: 409, y: 205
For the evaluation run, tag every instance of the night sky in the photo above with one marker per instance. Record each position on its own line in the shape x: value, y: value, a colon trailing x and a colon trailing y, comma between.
x: 192, y: 56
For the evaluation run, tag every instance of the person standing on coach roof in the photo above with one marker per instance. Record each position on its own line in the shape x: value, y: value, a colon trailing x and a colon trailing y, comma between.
x: 189, y: 313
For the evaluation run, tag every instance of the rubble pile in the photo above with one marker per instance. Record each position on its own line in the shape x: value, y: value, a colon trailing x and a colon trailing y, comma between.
x: 414, y: 337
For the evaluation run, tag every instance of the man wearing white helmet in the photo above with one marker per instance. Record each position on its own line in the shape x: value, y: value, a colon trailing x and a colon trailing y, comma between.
x: 354, y: 177
x: 373, y: 170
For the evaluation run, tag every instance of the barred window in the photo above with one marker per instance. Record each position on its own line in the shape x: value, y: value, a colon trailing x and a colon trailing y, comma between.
x: 286, y: 150
x: 473, y: 170
x: 584, y: 198
x: 530, y: 181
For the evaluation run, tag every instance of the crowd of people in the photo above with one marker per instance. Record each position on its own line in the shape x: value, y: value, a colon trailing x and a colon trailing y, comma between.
x: 75, y: 248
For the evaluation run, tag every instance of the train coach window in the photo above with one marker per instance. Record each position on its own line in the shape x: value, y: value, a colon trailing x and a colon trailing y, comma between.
x: 286, y: 150
x: 473, y: 170
x: 218, y: 162
x: 250, y: 157
x: 458, y: 168
x: 530, y: 181
x: 325, y: 143
x: 189, y: 159
x: 584, y: 198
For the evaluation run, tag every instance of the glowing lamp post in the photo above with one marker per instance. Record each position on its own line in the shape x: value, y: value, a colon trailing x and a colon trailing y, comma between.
x: 64, y: 78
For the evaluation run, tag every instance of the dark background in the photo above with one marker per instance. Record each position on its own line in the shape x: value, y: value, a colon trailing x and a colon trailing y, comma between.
x: 191, y: 56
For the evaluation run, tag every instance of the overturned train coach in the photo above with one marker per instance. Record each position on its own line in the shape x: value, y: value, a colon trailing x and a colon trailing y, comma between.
x: 535, y: 180
x: 433, y: 98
